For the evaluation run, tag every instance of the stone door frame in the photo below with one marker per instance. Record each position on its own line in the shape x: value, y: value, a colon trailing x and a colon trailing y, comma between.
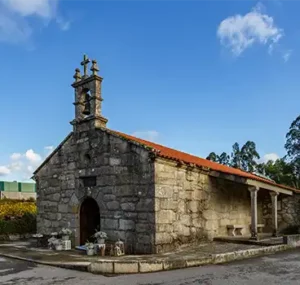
x: 87, y: 199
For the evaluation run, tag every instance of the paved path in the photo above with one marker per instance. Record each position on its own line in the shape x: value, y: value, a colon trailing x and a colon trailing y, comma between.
x: 280, y: 268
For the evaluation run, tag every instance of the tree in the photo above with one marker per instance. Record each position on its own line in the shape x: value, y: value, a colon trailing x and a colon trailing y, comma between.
x: 224, y: 158
x: 249, y: 156
x: 284, y: 171
x: 293, y: 140
x: 281, y: 171
x: 292, y: 146
x: 244, y: 158
x: 236, y: 157
x: 212, y: 157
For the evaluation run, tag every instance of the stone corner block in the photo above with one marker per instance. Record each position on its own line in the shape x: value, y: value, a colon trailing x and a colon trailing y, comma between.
x: 174, y: 264
x: 101, y: 267
x: 199, y: 262
x: 126, y: 267
x: 150, y: 266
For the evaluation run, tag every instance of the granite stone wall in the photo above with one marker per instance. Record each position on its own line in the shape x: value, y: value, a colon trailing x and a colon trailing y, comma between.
x: 124, y: 187
x: 190, y: 206
x: 288, y: 212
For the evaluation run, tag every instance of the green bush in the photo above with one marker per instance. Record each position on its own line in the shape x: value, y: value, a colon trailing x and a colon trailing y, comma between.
x: 16, y: 208
x: 23, y: 225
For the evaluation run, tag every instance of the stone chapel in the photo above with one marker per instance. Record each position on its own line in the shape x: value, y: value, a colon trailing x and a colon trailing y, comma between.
x: 152, y: 197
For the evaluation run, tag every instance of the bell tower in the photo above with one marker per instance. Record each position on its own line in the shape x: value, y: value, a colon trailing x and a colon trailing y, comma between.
x: 88, y: 97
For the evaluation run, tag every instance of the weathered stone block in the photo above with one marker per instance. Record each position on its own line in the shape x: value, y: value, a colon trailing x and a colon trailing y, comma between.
x: 150, y: 266
x: 71, y: 166
x: 144, y: 239
x: 128, y: 206
x: 126, y: 267
x: 145, y: 203
x: 63, y: 208
x: 161, y: 238
x: 131, y: 215
x: 113, y: 205
x: 164, y: 228
x: 123, y: 190
x: 165, y: 217
x: 212, y: 215
x: 112, y: 224
x: 186, y: 220
x: 141, y: 228
x: 113, y: 161
x: 52, y: 217
x: 167, y: 204
x: 54, y: 197
x: 108, y: 197
x: 127, y: 225
x: 142, y: 216
x: 193, y: 206
x: 101, y: 267
x: 163, y: 191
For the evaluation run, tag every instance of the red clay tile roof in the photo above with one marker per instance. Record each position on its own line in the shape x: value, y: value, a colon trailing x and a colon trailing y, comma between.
x: 173, y: 154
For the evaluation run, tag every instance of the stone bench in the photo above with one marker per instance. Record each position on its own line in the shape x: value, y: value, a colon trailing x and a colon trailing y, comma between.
x: 235, y: 230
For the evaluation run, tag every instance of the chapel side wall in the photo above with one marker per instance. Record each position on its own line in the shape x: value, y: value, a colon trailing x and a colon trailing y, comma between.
x: 191, y: 206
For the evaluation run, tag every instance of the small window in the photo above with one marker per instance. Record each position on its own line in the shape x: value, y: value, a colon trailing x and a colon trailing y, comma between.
x: 89, y: 181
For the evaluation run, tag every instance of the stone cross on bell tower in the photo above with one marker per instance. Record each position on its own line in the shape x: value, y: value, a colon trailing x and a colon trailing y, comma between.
x: 88, y: 97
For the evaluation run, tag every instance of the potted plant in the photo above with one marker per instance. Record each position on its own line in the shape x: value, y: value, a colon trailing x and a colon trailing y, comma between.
x: 51, y: 242
x: 65, y: 233
x: 90, y: 248
x: 58, y: 244
x: 100, y: 236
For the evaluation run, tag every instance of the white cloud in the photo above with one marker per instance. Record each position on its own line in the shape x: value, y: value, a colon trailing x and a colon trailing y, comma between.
x: 22, y: 165
x: 147, y: 135
x: 16, y: 156
x: 286, y: 55
x: 16, y: 15
x: 4, y: 170
x: 42, y: 8
x: 13, y: 31
x: 270, y: 156
x: 30, y: 168
x: 240, y: 32
x: 16, y: 166
x: 32, y: 156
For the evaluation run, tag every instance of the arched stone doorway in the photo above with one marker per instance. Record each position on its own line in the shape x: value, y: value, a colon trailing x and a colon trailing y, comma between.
x: 89, y: 219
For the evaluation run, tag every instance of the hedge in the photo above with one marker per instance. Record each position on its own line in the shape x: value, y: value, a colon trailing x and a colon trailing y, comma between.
x: 17, y: 217
x: 23, y: 225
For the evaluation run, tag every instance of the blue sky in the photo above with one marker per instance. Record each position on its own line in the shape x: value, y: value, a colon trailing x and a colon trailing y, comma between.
x: 193, y: 75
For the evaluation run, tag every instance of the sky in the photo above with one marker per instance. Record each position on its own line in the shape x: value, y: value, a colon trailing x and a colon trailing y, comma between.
x: 197, y: 76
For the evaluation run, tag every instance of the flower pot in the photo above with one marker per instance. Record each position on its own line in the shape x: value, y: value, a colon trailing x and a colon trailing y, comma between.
x: 65, y: 237
x: 100, y: 240
x: 90, y: 251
